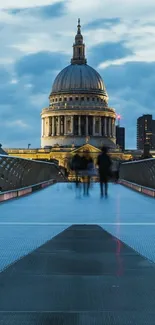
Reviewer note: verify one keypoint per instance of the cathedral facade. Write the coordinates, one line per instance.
(78, 111)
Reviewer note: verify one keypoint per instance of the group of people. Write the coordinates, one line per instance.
(84, 169)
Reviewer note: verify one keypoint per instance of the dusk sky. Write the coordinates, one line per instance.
(36, 38)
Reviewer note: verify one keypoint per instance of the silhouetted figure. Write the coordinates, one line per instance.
(87, 165)
(76, 166)
(104, 163)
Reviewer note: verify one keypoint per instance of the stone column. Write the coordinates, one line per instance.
(58, 133)
(53, 126)
(72, 124)
(42, 127)
(79, 126)
(86, 125)
(100, 127)
(113, 127)
(46, 127)
(109, 127)
(50, 126)
(65, 125)
(93, 125)
(105, 126)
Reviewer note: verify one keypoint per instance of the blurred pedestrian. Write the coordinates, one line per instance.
(75, 166)
(104, 163)
(87, 166)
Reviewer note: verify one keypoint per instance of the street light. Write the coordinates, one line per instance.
(118, 118)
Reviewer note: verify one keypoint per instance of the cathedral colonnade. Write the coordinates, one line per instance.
(78, 125)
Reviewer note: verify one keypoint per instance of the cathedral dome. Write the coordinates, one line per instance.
(79, 78)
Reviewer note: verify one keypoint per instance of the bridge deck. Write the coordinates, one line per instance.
(79, 273)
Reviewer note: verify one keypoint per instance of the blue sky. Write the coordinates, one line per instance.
(36, 39)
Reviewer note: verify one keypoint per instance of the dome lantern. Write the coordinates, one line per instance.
(78, 48)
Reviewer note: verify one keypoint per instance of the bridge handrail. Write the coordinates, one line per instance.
(137, 161)
(36, 161)
(18, 172)
(26, 187)
(141, 172)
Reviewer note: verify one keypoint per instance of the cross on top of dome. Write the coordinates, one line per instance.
(79, 27)
(78, 48)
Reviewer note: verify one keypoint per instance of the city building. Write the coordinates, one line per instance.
(120, 137)
(78, 118)
(78, 111)
(145, 132)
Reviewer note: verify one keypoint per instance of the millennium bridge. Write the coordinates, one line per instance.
(66, 259)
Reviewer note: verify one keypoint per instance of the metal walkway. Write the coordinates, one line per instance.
(71, 267)
(28, 222)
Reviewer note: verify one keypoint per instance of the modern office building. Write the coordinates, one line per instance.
(145, 132)
(120, 137)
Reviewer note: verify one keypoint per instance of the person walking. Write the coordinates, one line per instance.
(104, 163)
(75, 166)
(87, 165)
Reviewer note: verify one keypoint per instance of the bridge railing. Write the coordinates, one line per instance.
(141, 172)
(18, 173)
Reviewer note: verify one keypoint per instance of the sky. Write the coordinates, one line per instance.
(36, 38)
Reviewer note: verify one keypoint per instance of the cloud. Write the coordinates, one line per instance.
(131, 91)
(37, 71)
(46, 12)
(38, 63)
(25, 3)
(120, 41)
(17, 123)
(117, 8)
(109, 52)
(102, 23)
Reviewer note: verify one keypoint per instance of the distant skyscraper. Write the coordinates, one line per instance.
(120, 137)
(145, 132)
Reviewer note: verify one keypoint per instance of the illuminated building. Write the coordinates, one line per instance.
(78, 111)
(78, 117)
(145, 132)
